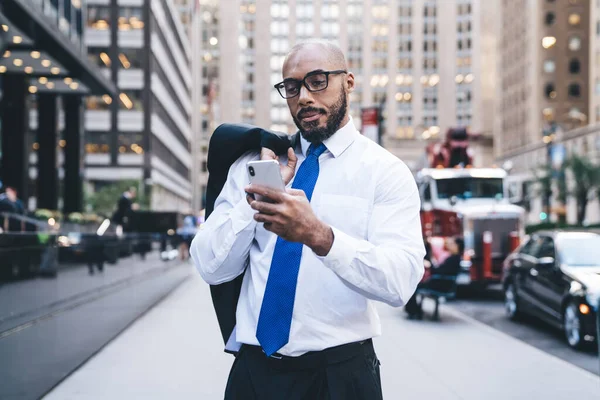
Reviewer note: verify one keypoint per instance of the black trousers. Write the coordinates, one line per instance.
(348, 372)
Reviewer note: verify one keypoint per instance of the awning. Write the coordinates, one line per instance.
(26, 18)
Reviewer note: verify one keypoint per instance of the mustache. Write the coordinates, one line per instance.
(310, 110)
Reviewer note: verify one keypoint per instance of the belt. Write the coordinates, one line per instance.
(314, 359)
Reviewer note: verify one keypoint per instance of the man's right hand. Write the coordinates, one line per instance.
(287, 171)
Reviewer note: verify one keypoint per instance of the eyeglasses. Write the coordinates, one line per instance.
(313, 81)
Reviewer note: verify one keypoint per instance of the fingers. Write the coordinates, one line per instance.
(275, 195)
(266, 219)
(267, 154)
(296, 192)
(292, 159)
(265, 208)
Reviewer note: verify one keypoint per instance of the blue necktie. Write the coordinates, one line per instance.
(275, 319)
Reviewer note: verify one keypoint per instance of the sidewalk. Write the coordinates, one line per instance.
(174, 352)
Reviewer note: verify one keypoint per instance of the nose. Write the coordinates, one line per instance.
(305, 96)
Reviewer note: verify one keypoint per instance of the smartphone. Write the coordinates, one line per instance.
(265, 173)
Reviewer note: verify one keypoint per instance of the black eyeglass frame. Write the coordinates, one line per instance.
(280, 86)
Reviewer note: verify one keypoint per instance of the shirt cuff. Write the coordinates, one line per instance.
(341, 254)
(242, 216)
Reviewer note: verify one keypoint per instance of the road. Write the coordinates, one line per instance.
(489, 309)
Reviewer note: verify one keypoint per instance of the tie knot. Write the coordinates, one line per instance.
(316, 150)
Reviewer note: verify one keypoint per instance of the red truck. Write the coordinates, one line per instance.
(458, 199)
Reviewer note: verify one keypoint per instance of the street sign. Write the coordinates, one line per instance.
(370, 123)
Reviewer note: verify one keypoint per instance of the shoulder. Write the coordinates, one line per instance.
(237, 170)
(381, 160)
(241, 162)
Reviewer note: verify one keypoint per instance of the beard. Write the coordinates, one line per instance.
(316, 134)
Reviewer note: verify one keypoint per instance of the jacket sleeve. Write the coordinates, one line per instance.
(220, 248)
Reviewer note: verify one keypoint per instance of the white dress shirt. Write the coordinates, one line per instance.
(370, 199)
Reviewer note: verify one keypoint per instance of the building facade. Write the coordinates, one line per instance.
(429, 64)
(594, 62)
(44, 77)
(546, 83)
(145, 134)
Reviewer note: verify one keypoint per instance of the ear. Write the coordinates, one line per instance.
(351, 84)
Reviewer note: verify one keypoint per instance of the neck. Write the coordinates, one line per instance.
(345, 120)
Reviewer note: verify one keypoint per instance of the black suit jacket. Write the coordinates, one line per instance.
(228, 143)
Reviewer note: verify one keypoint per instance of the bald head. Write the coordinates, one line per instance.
(319, 105)
(332, 52)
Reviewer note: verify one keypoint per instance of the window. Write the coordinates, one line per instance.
(467, 188)
(131, 100)
(574, 66)
(130, 142)
(99, 56)
(427, 193)
(549, 66)
(130, 58)
(130, 18)
(574, 90)
(550, 91)
(574, 19)
(574, 43)
(97, 142)
(527, 247)
(550, 18)
(98, 102)
(546, 248)
(98, 17)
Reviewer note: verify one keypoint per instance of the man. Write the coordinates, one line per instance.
(124, 207)
(449, 267)
(345, 232)
(10, 203)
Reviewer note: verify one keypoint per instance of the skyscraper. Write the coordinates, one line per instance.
(544, 73)
(144, 134)
(430, 64)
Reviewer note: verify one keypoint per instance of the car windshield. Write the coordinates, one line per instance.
(579, 250)
(469, 188)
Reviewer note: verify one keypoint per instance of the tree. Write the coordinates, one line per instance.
(585, 180)
(545, 177)
(104, 200)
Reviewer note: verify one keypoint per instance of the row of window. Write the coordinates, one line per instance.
(573, 90)
(574, 66)
(127, 58)
(129, 18)
(574, 19)
(100, 142)
(128, 100)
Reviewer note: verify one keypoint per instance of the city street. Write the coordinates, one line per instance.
(174, 351)
(489, 309)
(48, 327)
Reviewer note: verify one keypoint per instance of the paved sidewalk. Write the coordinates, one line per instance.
(174, 352)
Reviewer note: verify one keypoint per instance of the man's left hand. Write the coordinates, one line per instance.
(291, 217)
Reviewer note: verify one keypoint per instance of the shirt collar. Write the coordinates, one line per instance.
(337, 143)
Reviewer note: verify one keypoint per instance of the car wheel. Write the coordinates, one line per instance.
(511, 304)
(572, 326)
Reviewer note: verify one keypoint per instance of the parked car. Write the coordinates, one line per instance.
(555, 275)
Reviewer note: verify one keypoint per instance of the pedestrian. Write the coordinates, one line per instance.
(125, 206)
(345, 233)
(10, 203)
(449, 267)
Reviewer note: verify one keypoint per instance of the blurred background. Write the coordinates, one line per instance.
(107, 109)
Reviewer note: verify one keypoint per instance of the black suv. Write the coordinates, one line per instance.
(555, 276)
